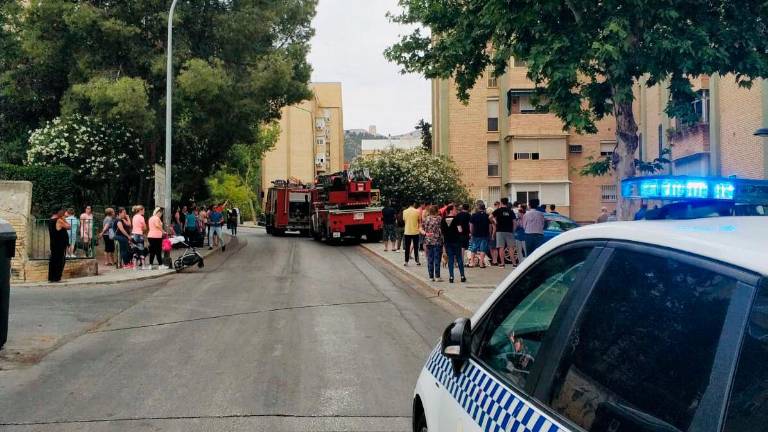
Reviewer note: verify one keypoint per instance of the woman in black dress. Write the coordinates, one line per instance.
(57, 230)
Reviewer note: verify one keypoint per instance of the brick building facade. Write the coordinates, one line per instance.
(503, 147)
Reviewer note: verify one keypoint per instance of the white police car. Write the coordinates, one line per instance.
(641, 326)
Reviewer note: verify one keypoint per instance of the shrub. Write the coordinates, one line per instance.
(51, 186)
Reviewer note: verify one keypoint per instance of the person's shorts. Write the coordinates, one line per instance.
(390, 234)
(478, 244)
(109, 244)
(492, 242)
(505, 239)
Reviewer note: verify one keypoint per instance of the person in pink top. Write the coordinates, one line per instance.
(138, 227)
(155, 236)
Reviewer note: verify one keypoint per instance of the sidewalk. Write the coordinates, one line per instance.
(110, 275)
(467, 296)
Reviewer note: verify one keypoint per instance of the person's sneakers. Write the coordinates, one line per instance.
(463, 279)
(418, 263)
(128, 266)
(210, 247)
(223, 248)
(431, 279)
(439, 279)
(450, 280)
(163, 267)
(405, 264)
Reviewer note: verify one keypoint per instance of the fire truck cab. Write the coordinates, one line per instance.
(287, 208)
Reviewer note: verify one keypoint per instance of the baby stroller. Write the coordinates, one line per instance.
(189, 258)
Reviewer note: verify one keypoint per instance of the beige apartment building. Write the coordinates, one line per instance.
(504, 147)
(311, 138)
(722, 142)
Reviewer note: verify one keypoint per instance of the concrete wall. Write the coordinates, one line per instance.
(15, 207)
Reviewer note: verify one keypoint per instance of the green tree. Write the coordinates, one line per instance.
(426, 134)
(236, 65)
(584, 57)
(225, 186)
(245, 162)
(405, 176)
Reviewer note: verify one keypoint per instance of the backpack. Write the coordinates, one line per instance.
(113, 229)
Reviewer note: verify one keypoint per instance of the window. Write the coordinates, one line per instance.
(493, 82)
(320, 141)
(526, 156)
(520, 63)
(527, 196)
(493, 116)
(608, 193)
(607, 148)
(508, 341)
(748, 406)
(575, 149)
(642, 352)
(701, 105)
(493, 159)
(494, 194)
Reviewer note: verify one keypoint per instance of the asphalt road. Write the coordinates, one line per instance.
(281, 334)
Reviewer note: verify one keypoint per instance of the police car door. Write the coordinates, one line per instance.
(491, 392)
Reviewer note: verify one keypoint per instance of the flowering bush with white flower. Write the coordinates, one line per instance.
(404, 176)
(95, 151)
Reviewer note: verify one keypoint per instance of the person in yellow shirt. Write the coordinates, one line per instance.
(412, 218)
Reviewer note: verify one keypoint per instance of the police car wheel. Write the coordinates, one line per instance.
(420, 425)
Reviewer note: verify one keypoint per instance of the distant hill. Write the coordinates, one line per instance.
(353, 140)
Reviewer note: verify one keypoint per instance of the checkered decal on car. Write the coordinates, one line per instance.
(493, 407)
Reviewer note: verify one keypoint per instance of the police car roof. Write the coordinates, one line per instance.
(738, 240)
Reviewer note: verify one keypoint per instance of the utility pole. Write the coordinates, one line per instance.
(168, 117)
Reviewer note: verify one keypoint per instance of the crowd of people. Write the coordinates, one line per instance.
(139, 239)
(453, 233)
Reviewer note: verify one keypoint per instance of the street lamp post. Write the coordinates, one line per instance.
(168, 116)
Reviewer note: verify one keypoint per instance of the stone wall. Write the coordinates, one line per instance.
(15, 207)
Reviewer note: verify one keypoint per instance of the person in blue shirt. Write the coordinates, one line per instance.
(190, 226)
(215, 220)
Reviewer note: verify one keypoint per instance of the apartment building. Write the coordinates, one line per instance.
(721, 142)
(311, 138)
(505, 147)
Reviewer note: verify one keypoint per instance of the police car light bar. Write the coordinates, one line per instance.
(679, 188)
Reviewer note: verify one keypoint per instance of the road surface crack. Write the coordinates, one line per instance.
(236, 314)
(203, 417)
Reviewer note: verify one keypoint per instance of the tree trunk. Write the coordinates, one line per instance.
(624, 156)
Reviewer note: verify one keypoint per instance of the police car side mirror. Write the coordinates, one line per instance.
(457, 343)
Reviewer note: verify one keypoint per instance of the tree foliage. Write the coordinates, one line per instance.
(245, 162)
(52, 186)
(236, 64)
(584, 57)
(225, 186)
(426, 134)
(106, 158)
(406, 176)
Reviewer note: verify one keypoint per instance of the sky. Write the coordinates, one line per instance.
(350, 38)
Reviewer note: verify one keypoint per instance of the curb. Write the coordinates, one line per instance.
(423, 284)
(75, 282)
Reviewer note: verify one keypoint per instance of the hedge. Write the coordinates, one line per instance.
(51, 186)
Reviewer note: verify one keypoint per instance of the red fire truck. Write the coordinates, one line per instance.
(342, 208)
(288, 207)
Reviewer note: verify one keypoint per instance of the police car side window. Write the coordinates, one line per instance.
(748, 404)
(515, 328)
(642, 352)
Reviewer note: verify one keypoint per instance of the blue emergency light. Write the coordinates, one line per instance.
(685, 188)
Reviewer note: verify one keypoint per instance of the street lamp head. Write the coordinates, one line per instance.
(762, 132)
